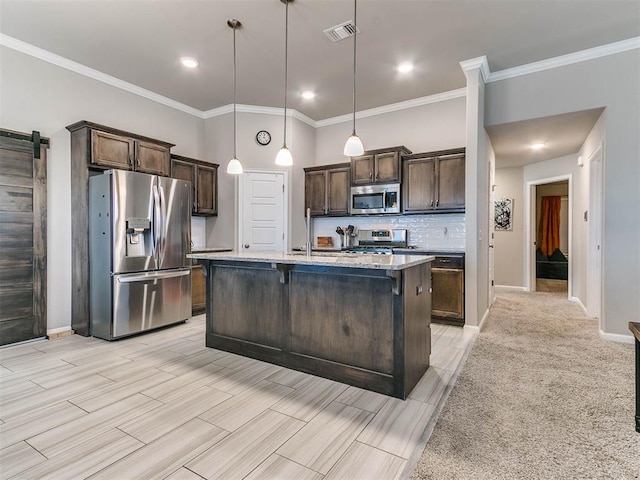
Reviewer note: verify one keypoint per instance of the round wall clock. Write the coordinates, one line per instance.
(263, 137)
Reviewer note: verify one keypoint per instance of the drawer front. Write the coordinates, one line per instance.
(448, 262)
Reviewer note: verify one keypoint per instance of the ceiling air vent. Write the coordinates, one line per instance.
(342, 31)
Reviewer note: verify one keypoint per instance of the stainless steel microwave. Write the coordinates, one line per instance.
(375, 199)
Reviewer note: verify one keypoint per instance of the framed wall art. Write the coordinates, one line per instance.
(503, 214)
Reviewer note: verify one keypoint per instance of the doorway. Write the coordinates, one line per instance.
(549, 234)
(262, 211)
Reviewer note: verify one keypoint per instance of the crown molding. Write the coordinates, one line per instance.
(568, 59)
(477, 63)
(394, 107)
(241, 108)
(67, 64)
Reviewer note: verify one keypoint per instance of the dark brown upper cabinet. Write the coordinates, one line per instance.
(377, 166)
(204, 180)
(434, 182)
(326, 189)
(126, 152)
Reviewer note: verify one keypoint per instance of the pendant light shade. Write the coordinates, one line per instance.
(284, 157)
(234, 167)
(354, 147)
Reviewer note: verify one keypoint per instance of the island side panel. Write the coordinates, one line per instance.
(417, 324)
(345, 319)
(247, 304)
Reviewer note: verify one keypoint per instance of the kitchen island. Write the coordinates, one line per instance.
(359, 319)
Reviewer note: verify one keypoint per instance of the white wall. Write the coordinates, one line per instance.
(436, 126)
(610, 82)
(508, 245)
(40, 96)
(218, 145)
(431, 127)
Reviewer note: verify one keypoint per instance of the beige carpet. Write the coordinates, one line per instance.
(541, 396)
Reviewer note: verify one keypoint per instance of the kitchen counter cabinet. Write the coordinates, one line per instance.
(434, 182)
(377, 166)
(326, 189)
(354, 321)
(204, 180)
(447, 277)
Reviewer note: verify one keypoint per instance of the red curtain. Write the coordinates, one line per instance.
(549, 230)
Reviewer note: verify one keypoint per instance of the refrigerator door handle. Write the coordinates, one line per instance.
(156, 223)
(142, 277)
(163, 225)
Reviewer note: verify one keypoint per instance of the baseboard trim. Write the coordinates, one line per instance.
(472, 328)
(512, 287)
(59, 332)
(615, 337)
(577, 300)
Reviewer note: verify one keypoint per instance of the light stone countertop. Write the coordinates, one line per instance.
(210, 249)
(324, 259)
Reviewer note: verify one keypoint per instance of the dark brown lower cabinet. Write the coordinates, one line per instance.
(23, 237)
(447, 277)
(198, 288)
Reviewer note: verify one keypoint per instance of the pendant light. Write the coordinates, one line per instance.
(284, 157)
(234, 166)
(354, 147)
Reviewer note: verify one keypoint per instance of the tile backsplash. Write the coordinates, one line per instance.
(438, 231)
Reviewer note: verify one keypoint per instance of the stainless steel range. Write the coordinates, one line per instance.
(381, 241)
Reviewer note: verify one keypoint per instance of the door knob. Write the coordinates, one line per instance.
(246, 245)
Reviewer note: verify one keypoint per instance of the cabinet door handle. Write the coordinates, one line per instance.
(137, 163)
(437, 202)
(431, 203)
(370, 175)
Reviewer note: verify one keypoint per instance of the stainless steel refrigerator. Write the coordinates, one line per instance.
(139, 236)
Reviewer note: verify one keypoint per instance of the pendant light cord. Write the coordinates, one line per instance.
(286, 61)
(234, 92)
(355, 33)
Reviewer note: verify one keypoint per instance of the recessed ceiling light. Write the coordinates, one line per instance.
(189, 62)
(537, 146)
(405, 67)
(308, 94)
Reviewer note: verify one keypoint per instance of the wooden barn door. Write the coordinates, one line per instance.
(23, 237)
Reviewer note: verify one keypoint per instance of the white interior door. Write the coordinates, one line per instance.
(594, 252)
(262, 211)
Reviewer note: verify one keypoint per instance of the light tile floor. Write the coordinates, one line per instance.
(162, 405)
